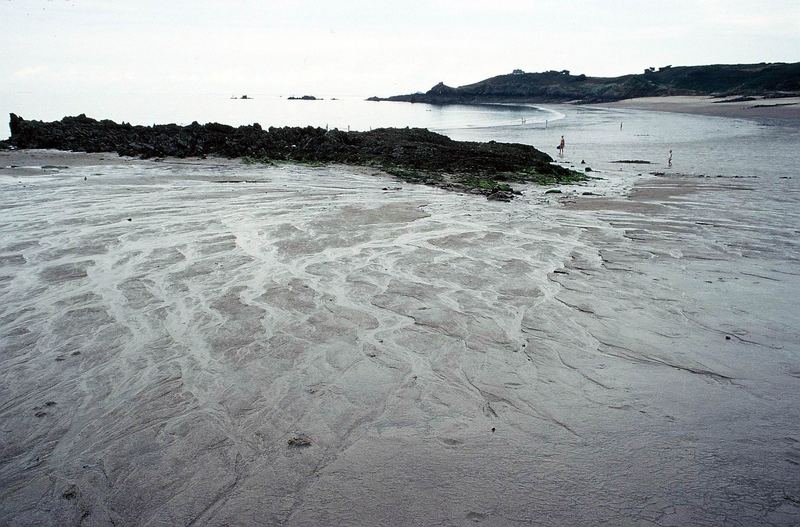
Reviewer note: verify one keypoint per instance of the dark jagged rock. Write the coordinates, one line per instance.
(411, 154)
(773, 105)
(736, 99)
(299, 441)
(303, 98)
(500, 195)
(767, 80)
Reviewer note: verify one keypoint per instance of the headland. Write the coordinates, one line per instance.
(764, 80)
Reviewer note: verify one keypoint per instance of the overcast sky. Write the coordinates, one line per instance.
(368, 47)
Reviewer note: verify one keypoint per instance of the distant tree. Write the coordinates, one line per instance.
(564, 72)
(517, 72)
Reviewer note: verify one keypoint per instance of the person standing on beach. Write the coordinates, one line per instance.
(561, 147)
(669, 159)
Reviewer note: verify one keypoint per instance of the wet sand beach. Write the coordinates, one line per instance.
(209, 343)
(752, 108)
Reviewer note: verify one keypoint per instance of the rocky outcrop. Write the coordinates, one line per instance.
(443, 90)
(412, 154)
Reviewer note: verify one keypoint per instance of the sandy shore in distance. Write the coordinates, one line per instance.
(783, 108)
(212, 343)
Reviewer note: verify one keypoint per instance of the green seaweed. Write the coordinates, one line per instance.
(256, 160)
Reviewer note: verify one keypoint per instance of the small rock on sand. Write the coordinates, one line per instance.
(298, 441)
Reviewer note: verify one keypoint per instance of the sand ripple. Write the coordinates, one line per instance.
(451, 360)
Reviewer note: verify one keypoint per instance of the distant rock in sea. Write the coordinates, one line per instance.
(304, 98)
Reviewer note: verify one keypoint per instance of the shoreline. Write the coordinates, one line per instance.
(782, 108)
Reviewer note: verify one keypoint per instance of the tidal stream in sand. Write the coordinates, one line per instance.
(168, 327)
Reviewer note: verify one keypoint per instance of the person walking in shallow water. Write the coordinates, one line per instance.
(669, 159)
(561, 147)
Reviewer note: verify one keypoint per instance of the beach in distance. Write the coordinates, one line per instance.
(784, 108)
(213, 342)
